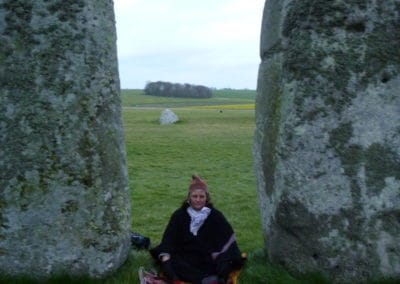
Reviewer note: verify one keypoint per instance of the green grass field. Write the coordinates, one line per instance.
(161, 159)
(212, 143)
(136, 98)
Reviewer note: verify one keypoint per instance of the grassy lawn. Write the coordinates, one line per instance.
(162, 158)
(213, 143)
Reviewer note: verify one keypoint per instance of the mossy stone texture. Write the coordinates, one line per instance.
(64, 200)
(327, 138)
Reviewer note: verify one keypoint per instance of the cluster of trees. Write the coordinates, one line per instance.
(166, 89)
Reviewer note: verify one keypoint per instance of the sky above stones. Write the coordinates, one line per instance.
(214, 43)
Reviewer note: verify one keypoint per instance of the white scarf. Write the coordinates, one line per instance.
(197, 218)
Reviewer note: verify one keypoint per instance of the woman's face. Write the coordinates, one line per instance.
(197, 199)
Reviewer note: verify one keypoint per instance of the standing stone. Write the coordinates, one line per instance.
(327, 139)
(64, 202)
(168, 117)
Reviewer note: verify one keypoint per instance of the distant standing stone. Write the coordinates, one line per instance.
(168, 117)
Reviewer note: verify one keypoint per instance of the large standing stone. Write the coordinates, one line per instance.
(64, 202)
(327, 139)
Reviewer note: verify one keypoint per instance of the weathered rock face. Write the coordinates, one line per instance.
(64, 202)
(327, 139)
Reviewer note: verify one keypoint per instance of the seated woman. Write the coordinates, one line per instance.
(198, 245)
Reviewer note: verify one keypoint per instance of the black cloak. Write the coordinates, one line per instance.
(191, 258)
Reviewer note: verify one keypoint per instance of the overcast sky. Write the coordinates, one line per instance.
(205, 42)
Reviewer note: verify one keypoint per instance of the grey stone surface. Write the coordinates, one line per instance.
(168, 117)
(327, 138)
(64, 200)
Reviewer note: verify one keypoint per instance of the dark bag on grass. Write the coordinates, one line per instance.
(139, 241)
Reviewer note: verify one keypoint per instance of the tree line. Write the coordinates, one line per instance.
(167, 89)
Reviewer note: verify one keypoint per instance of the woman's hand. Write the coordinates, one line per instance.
(164, 257)
(214, 255)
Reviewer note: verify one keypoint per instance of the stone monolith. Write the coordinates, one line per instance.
(64, 202)
(168, 117)
(327, 139)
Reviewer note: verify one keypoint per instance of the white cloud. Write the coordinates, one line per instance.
(205, 41)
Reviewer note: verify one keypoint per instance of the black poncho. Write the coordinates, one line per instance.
(191, 258)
